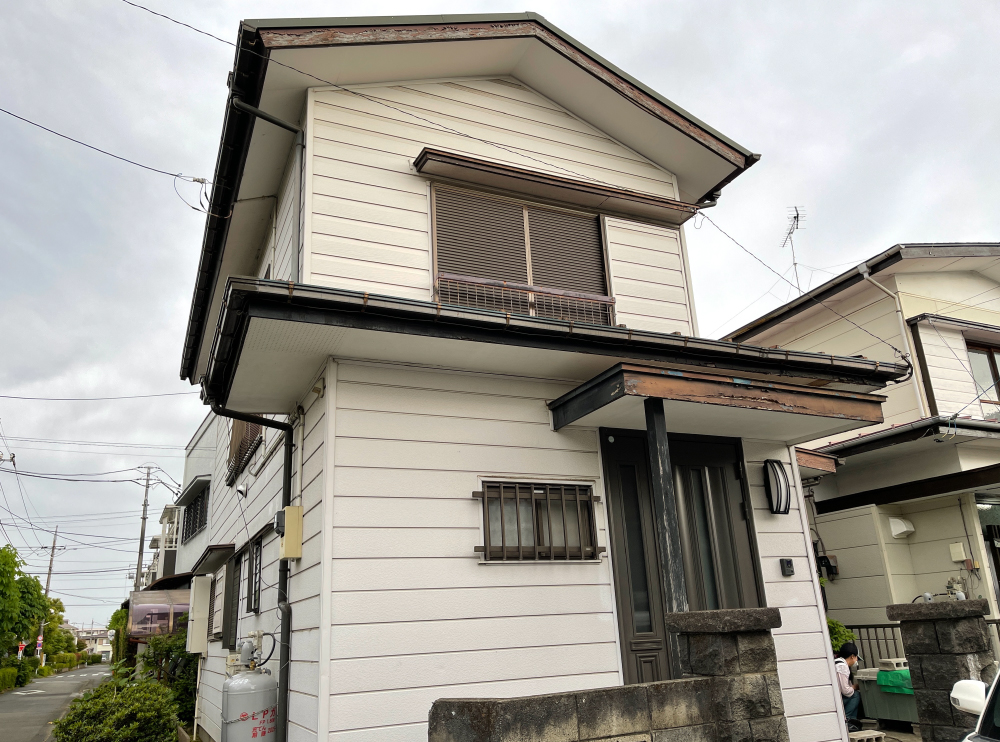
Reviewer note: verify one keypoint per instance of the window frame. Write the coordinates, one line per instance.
(195, 518)
(583, 500)
(990, 351)
(255, 552)
(526, 203)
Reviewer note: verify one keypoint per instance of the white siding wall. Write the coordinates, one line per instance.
(263, 480)
(368, 217)
(862, 590)
(947, 365)
(415, 614)
(279, 251)
(648, 277)
(805, 664)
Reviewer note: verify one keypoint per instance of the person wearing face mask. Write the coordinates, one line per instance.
(846, 659)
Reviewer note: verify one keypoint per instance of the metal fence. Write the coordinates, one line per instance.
(877, 642)
(513, 298)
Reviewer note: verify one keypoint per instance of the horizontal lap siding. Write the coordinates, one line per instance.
(416, 617)
(947, 364)
(369, 209)
(234, 519)
(801, 645)
(648, 277)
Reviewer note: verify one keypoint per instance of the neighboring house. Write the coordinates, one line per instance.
(96, 639)
(449, 256)
(934, 466)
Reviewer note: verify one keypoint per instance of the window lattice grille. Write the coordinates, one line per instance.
(532, 521)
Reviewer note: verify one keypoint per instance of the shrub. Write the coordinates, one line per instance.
(8, 676)
(141, 712)
(93, 659)
(839, 634)
(44, 672)
(33, 662)
(24, 674)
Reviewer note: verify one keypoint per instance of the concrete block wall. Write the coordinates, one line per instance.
(730, 693)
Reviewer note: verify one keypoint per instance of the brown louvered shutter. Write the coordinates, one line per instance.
(479, 237)
(566, 251)
(243, 441)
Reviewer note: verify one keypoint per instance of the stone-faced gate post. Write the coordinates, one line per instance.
(944, 642)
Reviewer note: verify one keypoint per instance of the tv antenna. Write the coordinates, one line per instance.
(796, 215)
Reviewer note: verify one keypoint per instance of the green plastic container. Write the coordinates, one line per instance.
(878, 704)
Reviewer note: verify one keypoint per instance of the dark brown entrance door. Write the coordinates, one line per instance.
(715, 534)
(634, 557)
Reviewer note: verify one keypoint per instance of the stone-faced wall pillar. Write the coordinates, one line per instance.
(944, 642)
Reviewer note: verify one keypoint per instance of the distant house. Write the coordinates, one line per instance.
(911, 506)
(448, 254)
(96, 639)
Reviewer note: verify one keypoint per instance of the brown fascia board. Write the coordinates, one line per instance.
(249, 298)
(257, 38)
(909, 251)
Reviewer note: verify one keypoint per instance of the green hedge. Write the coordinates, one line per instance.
(44, 672)
(143, 712)
(93, 659)
(8, 676)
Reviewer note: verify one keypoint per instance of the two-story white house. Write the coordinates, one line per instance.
(444, 306)
(914, 505)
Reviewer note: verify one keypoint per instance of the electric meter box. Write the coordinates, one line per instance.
(291, 533)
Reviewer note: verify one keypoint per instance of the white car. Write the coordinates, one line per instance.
(971, 697)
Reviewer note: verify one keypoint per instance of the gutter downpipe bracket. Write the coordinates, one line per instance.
(909, 359)
(284, 608)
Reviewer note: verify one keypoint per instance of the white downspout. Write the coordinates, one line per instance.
(907, 353)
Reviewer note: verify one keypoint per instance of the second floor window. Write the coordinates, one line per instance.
(195, 516)
(243, 441)
(508, 256)
(985, 362)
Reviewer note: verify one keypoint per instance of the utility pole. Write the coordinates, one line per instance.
(142, 532)
(48, 582)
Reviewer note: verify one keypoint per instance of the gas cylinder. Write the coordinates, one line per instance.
(249, 706)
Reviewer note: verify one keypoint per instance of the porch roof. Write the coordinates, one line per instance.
(273, 336)
(707, 403)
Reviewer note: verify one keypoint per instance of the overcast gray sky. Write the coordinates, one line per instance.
(880, 119)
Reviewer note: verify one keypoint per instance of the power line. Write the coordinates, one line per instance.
(372, 99)
(811, 298)
(271, 60)
(103, 151)
(119, 444)
(95, 399)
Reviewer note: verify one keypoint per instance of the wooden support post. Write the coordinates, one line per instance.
(668, 535)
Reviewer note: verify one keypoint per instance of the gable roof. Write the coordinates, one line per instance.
(277, 60)
(903, 258)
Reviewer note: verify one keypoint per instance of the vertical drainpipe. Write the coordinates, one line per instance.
(908, 354)
(284, 609)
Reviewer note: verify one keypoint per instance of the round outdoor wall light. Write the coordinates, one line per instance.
(777, 486)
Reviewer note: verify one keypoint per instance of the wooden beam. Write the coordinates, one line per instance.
(715, 389)
(668, 534)
(816, 460)
(964, 480)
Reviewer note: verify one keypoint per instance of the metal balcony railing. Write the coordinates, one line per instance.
(518, 298)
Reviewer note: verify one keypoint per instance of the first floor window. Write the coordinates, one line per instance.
(528, 520)
(253, 576)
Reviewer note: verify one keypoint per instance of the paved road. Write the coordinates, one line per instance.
(25, 712)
